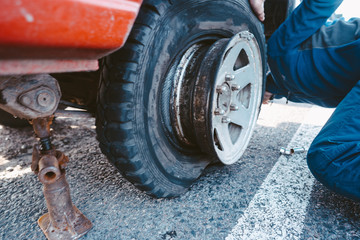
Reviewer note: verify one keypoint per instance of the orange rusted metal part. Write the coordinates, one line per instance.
(64, 30)
(64, 220)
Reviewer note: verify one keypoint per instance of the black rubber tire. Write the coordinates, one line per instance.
(131, 125)
(276, 11)
(9, 120)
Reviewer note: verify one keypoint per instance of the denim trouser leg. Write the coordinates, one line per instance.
(334, 156)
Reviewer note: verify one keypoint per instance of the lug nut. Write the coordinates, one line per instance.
(229, 77)
(219, 111)
(225, 120)
(234, 107)
(235, 87)
(220, 89)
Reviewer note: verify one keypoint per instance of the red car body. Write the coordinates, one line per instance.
(43, 36)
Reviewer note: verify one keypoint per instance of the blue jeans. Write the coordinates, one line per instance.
(334, 155)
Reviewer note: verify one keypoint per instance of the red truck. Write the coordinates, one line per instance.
(175, 85)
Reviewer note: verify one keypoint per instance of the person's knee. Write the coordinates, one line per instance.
(321, 155)
(320, 159)
(317, 163)
(337, 167)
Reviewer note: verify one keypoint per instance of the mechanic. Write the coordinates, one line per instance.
(316, 62)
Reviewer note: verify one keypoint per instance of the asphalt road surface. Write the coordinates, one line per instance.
(263, 196)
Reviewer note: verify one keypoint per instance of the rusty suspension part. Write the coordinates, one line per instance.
(64, 220)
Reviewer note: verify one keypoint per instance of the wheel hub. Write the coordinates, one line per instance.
(217, 95)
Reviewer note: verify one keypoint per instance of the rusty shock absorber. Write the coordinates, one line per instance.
(64, 220)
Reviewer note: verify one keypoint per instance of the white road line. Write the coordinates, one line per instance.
(278, 209)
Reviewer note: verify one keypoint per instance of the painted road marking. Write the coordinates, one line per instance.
(278, 209)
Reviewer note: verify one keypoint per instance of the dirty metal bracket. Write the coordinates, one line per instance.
(29, 96)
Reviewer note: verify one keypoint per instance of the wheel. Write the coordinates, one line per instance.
(157, 113)
(276, 11)
(9, 120)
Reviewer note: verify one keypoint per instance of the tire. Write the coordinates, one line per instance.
(276, 11)
(133, 124)
(9, 120)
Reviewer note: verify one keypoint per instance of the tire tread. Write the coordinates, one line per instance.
(114, 114)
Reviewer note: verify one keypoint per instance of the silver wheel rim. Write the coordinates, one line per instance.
(216, 95)
(237, 97)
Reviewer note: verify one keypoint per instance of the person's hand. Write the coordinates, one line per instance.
(267, 97)
(258, 8)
